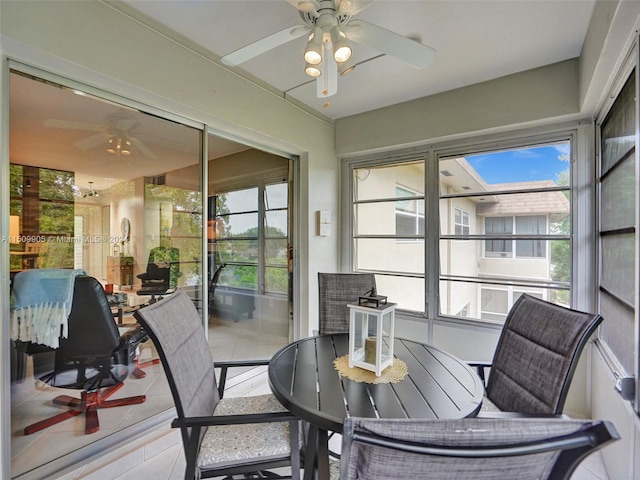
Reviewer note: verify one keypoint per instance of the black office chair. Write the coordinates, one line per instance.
(93, 358)
(221, 436)
(163, 271)
(536, 357)
(155, 281)
(469, 448)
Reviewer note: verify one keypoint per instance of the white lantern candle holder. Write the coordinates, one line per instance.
(371, 336)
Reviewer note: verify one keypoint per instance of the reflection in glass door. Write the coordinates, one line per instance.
(249, 304)
(89, 182)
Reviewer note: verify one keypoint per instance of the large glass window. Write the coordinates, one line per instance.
(252, 237)
(505, 228)
(111, 190)
(249, 249)
(520, 229)
(388, 229)
(618, 283)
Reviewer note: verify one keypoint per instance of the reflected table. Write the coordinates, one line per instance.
(302, 377)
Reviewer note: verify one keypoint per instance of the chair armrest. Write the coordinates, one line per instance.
(134, 336)
(233, 419)
(521, 415)
(241, 363)
(480, 367)
(225, 365)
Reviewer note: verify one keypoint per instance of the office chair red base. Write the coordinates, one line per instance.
(138, 373)
(87, 404)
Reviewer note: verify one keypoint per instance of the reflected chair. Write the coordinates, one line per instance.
(93, 358)
(470, 448)
(336, 290)
(221, 436)
(155, 281)
(214, 283)
(163, 271)
(536, 357)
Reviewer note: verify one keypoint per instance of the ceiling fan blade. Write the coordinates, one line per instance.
(92, 141)
(306, 5)
(390, 43)
(142, 147)
(351, 7)
(263, 45)
(55, 123)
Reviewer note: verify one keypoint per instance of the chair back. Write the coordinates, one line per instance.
(175, 326)
(336, 290)
(166, 257)
(92, 328)
(536, 356)
(470, 448)
(214, 281)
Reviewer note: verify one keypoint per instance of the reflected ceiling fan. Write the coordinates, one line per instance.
(331, 29)
(116, 133)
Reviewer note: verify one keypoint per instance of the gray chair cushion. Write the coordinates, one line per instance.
(336, 290)
(536, 356)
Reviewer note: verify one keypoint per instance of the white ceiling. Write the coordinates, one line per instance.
(476, 40)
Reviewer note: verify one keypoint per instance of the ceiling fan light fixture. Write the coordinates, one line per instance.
(312, 70)
(125, 150)
(346, 67)
(341, 48)
(313, 51)
(90, 192)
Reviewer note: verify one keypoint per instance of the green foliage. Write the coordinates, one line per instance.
(561, 249)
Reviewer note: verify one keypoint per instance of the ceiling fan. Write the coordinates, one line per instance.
(116, 133)
(330, 30)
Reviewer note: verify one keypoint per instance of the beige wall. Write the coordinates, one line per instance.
(540, 94)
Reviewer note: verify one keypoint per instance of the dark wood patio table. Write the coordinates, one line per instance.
(302, 377)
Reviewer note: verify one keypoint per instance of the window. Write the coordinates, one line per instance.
(504, 226)
(495, 304)
(519, 227)
(409, 213)
(524, 225)
(254, 250)
(498, 226)
(388, 225)
(618, 282)
(461, 222)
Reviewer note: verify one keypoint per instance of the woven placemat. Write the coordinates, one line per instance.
(392, 374)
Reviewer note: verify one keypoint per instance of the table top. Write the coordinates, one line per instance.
(439, 385)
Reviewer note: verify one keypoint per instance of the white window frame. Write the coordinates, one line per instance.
(582, 192)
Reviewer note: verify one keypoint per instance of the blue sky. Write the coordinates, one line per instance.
(524, 165)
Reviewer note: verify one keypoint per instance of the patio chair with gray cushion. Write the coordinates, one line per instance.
(470, 448)
(221, 436)
(336, 290)
(536, 357)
